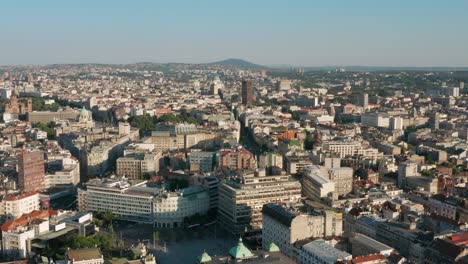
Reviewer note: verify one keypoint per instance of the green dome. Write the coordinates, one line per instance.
(204, 258)
(84, 111)
(272, 247)
(240, 251)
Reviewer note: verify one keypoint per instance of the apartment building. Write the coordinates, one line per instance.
(343, 179)
(201, 161)
(16, 205)
(136, 166)
(284, 227)
(241, 200)
(316, 183)
(67, 173)
(322, 252)
(236, 159)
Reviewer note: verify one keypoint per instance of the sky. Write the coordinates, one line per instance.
(288, 32)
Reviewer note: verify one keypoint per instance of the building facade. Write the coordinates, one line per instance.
(241, 202)
(31, 171)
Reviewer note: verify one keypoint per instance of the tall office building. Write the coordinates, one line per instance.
(435, 120)
(31, 171)
(407, 169)
(363, 100)
(396, 122)
(462, 85)
(240, 203)
(247, 92)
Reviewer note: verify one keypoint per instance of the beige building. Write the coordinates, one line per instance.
(137, 166)
(165, 140)
(49, 116)
(315, 183)
(16, 205)
(134, 201)
(270, 160)
(69, 174)
(284, 227)
(85, 256)
(343, 179)
(241, 201)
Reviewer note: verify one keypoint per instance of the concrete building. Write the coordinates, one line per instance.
(241, 202)
(363, 100)
(236, 159)
(201, 161)
(342, 148)
(343, 179)
(388, 148)
(407, 169)
(283, 85)
(135, 201)
(283, 227)
(66, 173)
(322, 252)
(362, 245)
(270, 161)
(84, 256)
(331, 163)
(247, 93)
(316, 182)
(396, 122)
(375, 120)
(138, 166)
(31, 171)
(16, 205)
(49, 116)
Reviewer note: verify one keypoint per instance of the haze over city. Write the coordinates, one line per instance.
(298, 33)
(224, 132)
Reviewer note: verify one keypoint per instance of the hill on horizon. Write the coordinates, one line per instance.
(239, 63)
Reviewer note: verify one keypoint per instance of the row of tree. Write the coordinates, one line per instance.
(147, 123)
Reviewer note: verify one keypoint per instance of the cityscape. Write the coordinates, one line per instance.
(267, 157)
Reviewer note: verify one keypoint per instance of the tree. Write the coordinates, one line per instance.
(309, 143)
(296, 115)
(145, 123)
(49, 128)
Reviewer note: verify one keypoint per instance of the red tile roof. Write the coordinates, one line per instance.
(27, 218)
(13, 197)
(460, 239)
(369, 258)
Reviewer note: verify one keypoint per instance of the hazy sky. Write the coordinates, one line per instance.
(309, 32)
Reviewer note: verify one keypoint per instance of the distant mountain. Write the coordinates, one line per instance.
(358, 68)
(238, 63)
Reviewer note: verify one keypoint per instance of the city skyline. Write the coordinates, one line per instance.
(298, 33)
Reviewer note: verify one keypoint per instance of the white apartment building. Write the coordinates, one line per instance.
(407, 169)
(284, 227)
(135, 201)
(17, 234)
(68, 174)
(321, 252)
(241, 203)
(315, 182)
(171, 208)
(342, 148)
(116, 196)
(343, 179)
(375, 119)
(16, 205)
